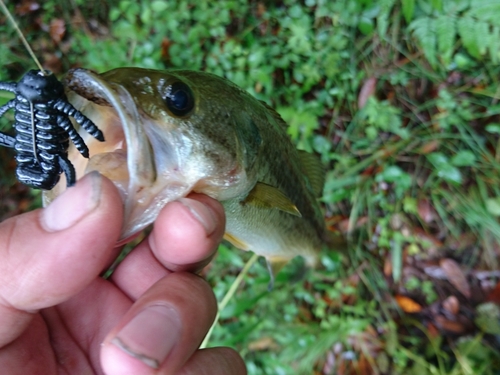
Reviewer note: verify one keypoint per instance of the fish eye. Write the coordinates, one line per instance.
(179, 99)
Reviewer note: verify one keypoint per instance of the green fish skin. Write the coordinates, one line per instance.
(173, 132)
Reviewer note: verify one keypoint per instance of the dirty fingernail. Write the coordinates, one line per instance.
(150, 335)
(74, 204)
(202, 213)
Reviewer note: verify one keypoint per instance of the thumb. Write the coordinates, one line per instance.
(49, 255)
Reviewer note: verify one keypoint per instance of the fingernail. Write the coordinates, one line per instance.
(202, 213)
(150, 335)
(74, 204)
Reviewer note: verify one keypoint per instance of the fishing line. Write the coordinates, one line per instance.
(21, 36)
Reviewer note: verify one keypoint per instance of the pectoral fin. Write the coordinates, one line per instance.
(267, 196)
(236, 241)
(274, 265)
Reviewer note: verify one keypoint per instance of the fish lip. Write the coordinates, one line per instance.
(140, 161)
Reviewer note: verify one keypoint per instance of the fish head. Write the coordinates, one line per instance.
(167, 133)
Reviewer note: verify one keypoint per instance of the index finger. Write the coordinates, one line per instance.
(185, 237)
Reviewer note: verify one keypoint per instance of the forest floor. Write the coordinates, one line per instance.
(400, 101)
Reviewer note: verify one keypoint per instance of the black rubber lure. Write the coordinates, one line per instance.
(43, 130)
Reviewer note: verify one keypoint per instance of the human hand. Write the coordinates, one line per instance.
(58, 316)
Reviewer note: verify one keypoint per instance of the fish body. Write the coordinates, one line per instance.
(169, 133)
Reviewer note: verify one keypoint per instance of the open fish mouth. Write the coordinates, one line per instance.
(126, 157)
(154, 153)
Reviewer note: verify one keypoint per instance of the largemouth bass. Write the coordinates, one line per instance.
(170, 133)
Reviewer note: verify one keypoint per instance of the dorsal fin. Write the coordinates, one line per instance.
(275, 115)
(314, 170)
(310, 164)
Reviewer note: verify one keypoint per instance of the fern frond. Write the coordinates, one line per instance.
(478, 29)
(494, 44)
(424, 29)
(437, 4)
(474, 23)
(446, 31)
(455, 6)
(383, 17)
(408, 7)
(487, 11)
(474, 35)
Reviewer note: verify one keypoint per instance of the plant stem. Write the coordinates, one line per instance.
(230, 293)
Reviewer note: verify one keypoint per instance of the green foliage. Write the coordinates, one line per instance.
(426, 287)
(439, 26)
(473, 355)
(382, 117)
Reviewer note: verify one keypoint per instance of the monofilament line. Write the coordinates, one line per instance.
(23, 39)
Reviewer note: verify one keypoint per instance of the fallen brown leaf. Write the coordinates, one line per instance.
(452, 305)
(455, 276)
(26, 7)
(264, 343)
(361, 366)
(432, 330)
(53, 63)
(57, 30)
(449, 325)
(166, 43)
(367, 90)
(494, 295)
(428, 147)
(426, 211)
(345, 226)
(261, 9)
(387, 267)
(407, 304)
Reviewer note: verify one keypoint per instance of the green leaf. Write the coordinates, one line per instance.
(444, 168)
(437, 4)
(366, 25)
(493, 128)
(464, 158)
(397, 256)
(410, 205)
(488, 318)
(394, 174)
(424, 29)
(456, 6)
(487, 11)
(494, 44)
(383, 17)
(371, 133)
(114, 14)
(408, 9)
(493, 206)
(446, 32)
(466, 27)
(479, 30)
(463, 61)
(159, 6)
(450, 174)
